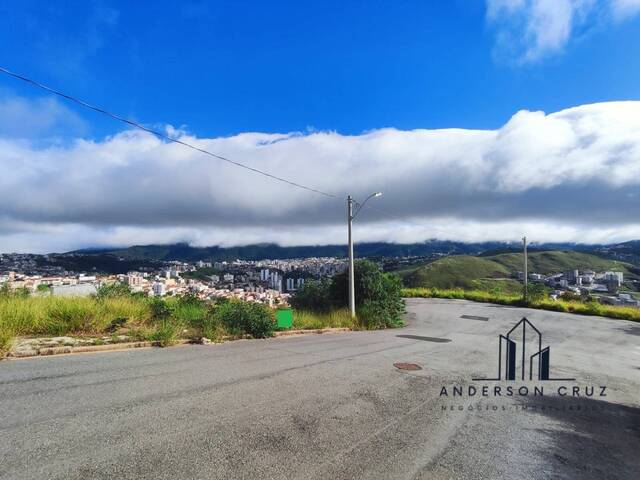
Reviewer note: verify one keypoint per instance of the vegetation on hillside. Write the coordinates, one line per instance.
(465, 271)
(185, 252)
(202, 274)
(378, 296)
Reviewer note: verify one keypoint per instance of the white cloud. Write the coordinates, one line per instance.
(529, 30)
(571, 175)
(37, 118)
(625, 8)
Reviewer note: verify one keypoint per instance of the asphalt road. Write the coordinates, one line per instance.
(332, 406)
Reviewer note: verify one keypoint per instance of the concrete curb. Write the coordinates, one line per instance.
(286, 333)
(65, 350)
(112, 347)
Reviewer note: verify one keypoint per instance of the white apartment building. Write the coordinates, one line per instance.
(159, 289)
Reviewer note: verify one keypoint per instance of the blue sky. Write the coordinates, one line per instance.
(348, 96)
(228, 67)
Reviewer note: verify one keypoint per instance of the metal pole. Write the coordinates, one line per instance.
(526, 274)
(352, 296)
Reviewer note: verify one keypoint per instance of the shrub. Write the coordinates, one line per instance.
(313, 296)
(244, 317)
(6, 338)
(159, 309)
(570, 297)
(372, 316)
(166, 333)
(189, 310)
(378, 295)
(212, 327)
(536, 292)
(116, 289)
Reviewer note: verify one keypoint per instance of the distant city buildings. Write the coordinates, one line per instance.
(603, 286)
(266, 281)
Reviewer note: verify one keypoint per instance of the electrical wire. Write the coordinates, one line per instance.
(162, 135)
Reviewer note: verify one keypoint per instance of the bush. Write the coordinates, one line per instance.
(313, 296)
(111, 290)
(159, 309)
(570, 297)
(244, 317)
(189, 310)
(378, 295)
(166, 334)
(372, 316)
(212, 327)
(536, 292)
(6, 338)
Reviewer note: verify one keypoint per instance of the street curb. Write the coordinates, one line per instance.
(286, 333)
(66, 350)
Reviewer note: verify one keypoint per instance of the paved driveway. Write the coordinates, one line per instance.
(332, 406)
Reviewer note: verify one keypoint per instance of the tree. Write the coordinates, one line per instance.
(378, 295)
(313, 295)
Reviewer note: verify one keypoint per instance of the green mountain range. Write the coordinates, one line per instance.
(185, 252)
(467, 271)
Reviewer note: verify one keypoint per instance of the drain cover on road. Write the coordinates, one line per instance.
(425, 339)
(475, 317)
(407, 366)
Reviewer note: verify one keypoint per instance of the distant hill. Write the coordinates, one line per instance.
(185, 252)
(627, 251)
(467, 271)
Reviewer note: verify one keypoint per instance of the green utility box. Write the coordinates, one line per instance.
(284, 318)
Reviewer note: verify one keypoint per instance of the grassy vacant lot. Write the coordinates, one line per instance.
(162, 320)
(464, 271)
(582, 308)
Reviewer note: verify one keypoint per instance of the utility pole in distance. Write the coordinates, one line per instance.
(351, 215)
(526, 274)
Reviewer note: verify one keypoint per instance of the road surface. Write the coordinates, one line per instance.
(332, 406)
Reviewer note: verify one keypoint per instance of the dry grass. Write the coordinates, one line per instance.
(304, 320)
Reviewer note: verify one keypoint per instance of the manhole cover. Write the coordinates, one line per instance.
(407, 366)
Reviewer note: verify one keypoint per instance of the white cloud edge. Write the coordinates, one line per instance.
(456, 184)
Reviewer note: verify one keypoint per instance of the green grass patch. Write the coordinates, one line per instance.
(305, 319)
(6, 339)
(581, 308)
(166, 333)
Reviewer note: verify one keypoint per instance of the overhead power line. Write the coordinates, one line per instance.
(162, 135)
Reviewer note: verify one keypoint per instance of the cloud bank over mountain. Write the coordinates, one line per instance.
(572, 175)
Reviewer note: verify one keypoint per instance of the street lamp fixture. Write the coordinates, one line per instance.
(353, 208)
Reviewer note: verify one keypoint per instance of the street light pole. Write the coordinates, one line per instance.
(526, 274)
(352, 296)
(351, 215)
